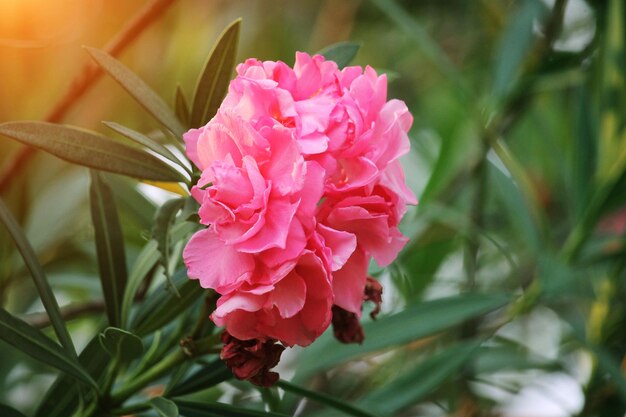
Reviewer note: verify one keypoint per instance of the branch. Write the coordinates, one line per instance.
(72, 311)
(85, 80)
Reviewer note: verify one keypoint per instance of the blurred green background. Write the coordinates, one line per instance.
(518, 158)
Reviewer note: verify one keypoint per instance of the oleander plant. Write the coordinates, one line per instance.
(346, 208)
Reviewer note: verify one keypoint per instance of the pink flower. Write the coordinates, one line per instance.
(300, 187)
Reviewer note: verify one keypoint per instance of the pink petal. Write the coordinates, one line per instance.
(349, 282)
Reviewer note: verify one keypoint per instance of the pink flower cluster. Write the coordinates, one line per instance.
(300, 187)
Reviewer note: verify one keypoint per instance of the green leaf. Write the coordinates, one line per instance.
(181, 107)
(417, 321)
(139, 90)
(165, 217)
(109, 246)
(411, 386)
(162, 306)
(213, 82)
(164, 407)
(206, 377)
(35, 344)
(41, 283)
(6, 411)
(212, 409)
(144, 140)
(90, 149)
(515, 44)
(121, 344)
(341, 52)
(62, 398)
(326, 399)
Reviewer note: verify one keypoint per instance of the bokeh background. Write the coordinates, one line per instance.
(508, 148)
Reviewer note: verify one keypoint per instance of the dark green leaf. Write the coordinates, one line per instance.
(121, 345)
(162, 306)
(35, 344)
(6, 411)
(144, 140)
(326, 399)
(181, 106)
(139, 90)
(514, 46)
(90, 149)
(165, 216)
(206, 377)
(109, 246)
(41, 283)
(410, 387)
(341, 52)
(62, 398)
(207, 409)
(417, 321)
(164, 407)
(213, 82)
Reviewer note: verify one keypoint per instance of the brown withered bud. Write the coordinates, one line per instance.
(251, 360)
(346, 326)
(373, 293)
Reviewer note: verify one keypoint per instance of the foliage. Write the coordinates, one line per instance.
(514, 272)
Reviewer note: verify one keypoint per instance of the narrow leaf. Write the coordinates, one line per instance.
(181, 107)
(341, 52)
(418, 321)
(164, 407)
(514, 46)
(109, 246)
(35, 344)
(162, 306)
(90, 149)
(41, 283)
(62, 398)
(206, 377)
(144, 140)
(213, 82)
(165, 216)
(139, 90)
(121, 344)
(325, 399)
(410, 387)
(213, 409)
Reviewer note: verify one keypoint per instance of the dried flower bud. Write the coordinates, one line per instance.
(373, 293)
(346, 326)
(251, 360)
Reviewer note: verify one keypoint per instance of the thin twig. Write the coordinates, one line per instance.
(85, 80)
(70, 312)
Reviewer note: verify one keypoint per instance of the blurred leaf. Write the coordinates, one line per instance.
(90, 149)
(411, 386)
(206, 377)
(515, 45)
(181, 107)
(612, 367)
(207, 409)
(341, 52)
(424, 255)
(35, 344)
(110, 247)
(6, 411)
(41, 283)
(121, 345)
(144, 140)
(213, 82)
(428, 47)
(165, 217)
(326, 399)
(164, 407)
(585, 151)
(162, 306)
(62, 398)
(139, 90)
(415, 322)
(132, 203)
